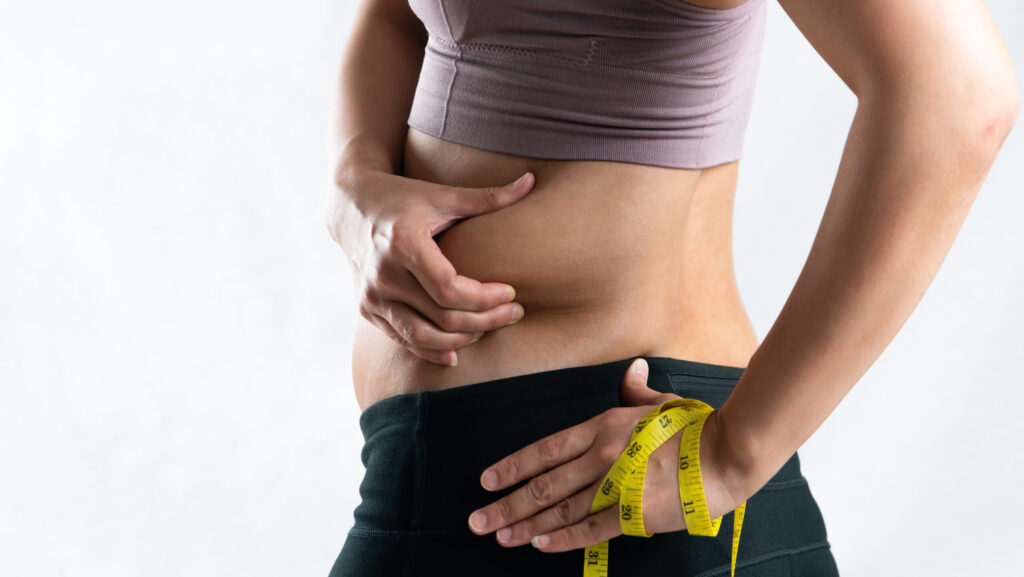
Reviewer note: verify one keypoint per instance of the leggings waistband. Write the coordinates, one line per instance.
(424, 451)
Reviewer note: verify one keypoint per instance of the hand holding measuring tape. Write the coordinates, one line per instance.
(568, 469)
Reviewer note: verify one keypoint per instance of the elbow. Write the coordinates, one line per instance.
(1003, 107)
(979, 132)
(969, 115)
(977, 126)
(997, 106)
(1012, 111)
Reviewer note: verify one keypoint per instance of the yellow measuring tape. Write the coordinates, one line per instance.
(624, 483)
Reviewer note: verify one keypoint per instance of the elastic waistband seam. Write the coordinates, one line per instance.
(471, 392)
(786, 484)
(789, 551)
(358, 531)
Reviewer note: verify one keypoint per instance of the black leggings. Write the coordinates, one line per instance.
(424, 453)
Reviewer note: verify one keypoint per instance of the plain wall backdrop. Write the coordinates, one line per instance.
(176, 323)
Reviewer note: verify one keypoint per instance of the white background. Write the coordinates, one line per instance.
(176, 324)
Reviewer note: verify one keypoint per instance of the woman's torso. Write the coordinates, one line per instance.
(610, 260)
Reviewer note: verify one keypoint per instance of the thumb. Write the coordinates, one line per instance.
(634, 390)
(466, 201)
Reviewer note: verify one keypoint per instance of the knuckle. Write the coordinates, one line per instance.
(446, 291)
(608, 453)
(382, 281)
(447, 319)
(503, 511)
(375, 285)
(401, 242)
(512, 467)
(607, 418)
(403, 329)
(416, 335)
(490, 195)
(549, 448)
(386, 278)
(563, 511)
(540, 488)
(619, 415)
(588, 529)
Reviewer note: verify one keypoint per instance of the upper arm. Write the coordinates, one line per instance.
(924, 50)
(397, 13)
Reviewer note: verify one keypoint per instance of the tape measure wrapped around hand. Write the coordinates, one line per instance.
(624, 484)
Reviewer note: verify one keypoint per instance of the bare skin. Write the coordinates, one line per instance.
(937, 98)
(612, 260)
(574, 248)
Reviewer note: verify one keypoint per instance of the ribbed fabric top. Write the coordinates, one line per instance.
(657, 82)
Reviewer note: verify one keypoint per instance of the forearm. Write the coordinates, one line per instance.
(907, 178)
(377, 80)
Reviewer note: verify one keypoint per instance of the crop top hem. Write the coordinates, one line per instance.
(638, 150)
(680, 99)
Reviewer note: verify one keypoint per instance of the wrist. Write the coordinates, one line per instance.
(351, 202)
(746, 463)
(361, 153)
(351, 168)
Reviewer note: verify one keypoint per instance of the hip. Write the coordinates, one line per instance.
(424, 452)
(714, 334)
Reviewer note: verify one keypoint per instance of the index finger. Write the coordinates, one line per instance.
(448, 288)
(538, 457)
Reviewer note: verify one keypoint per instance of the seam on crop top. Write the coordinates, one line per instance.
(455, 71)
(587, 62)
(747, 25)
(499, 49)
(591, 50)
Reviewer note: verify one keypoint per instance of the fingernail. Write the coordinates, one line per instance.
(478, 520)
(640, 367)
(517, 315)
(511, 293)
(504, 534)
(455, 359)
(490, 479)
(475, 339)
(521, 179)
(540, 541)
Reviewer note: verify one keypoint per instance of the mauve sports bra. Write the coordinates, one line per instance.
(657, 82)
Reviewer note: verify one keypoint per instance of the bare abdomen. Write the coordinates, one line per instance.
(598, 254)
